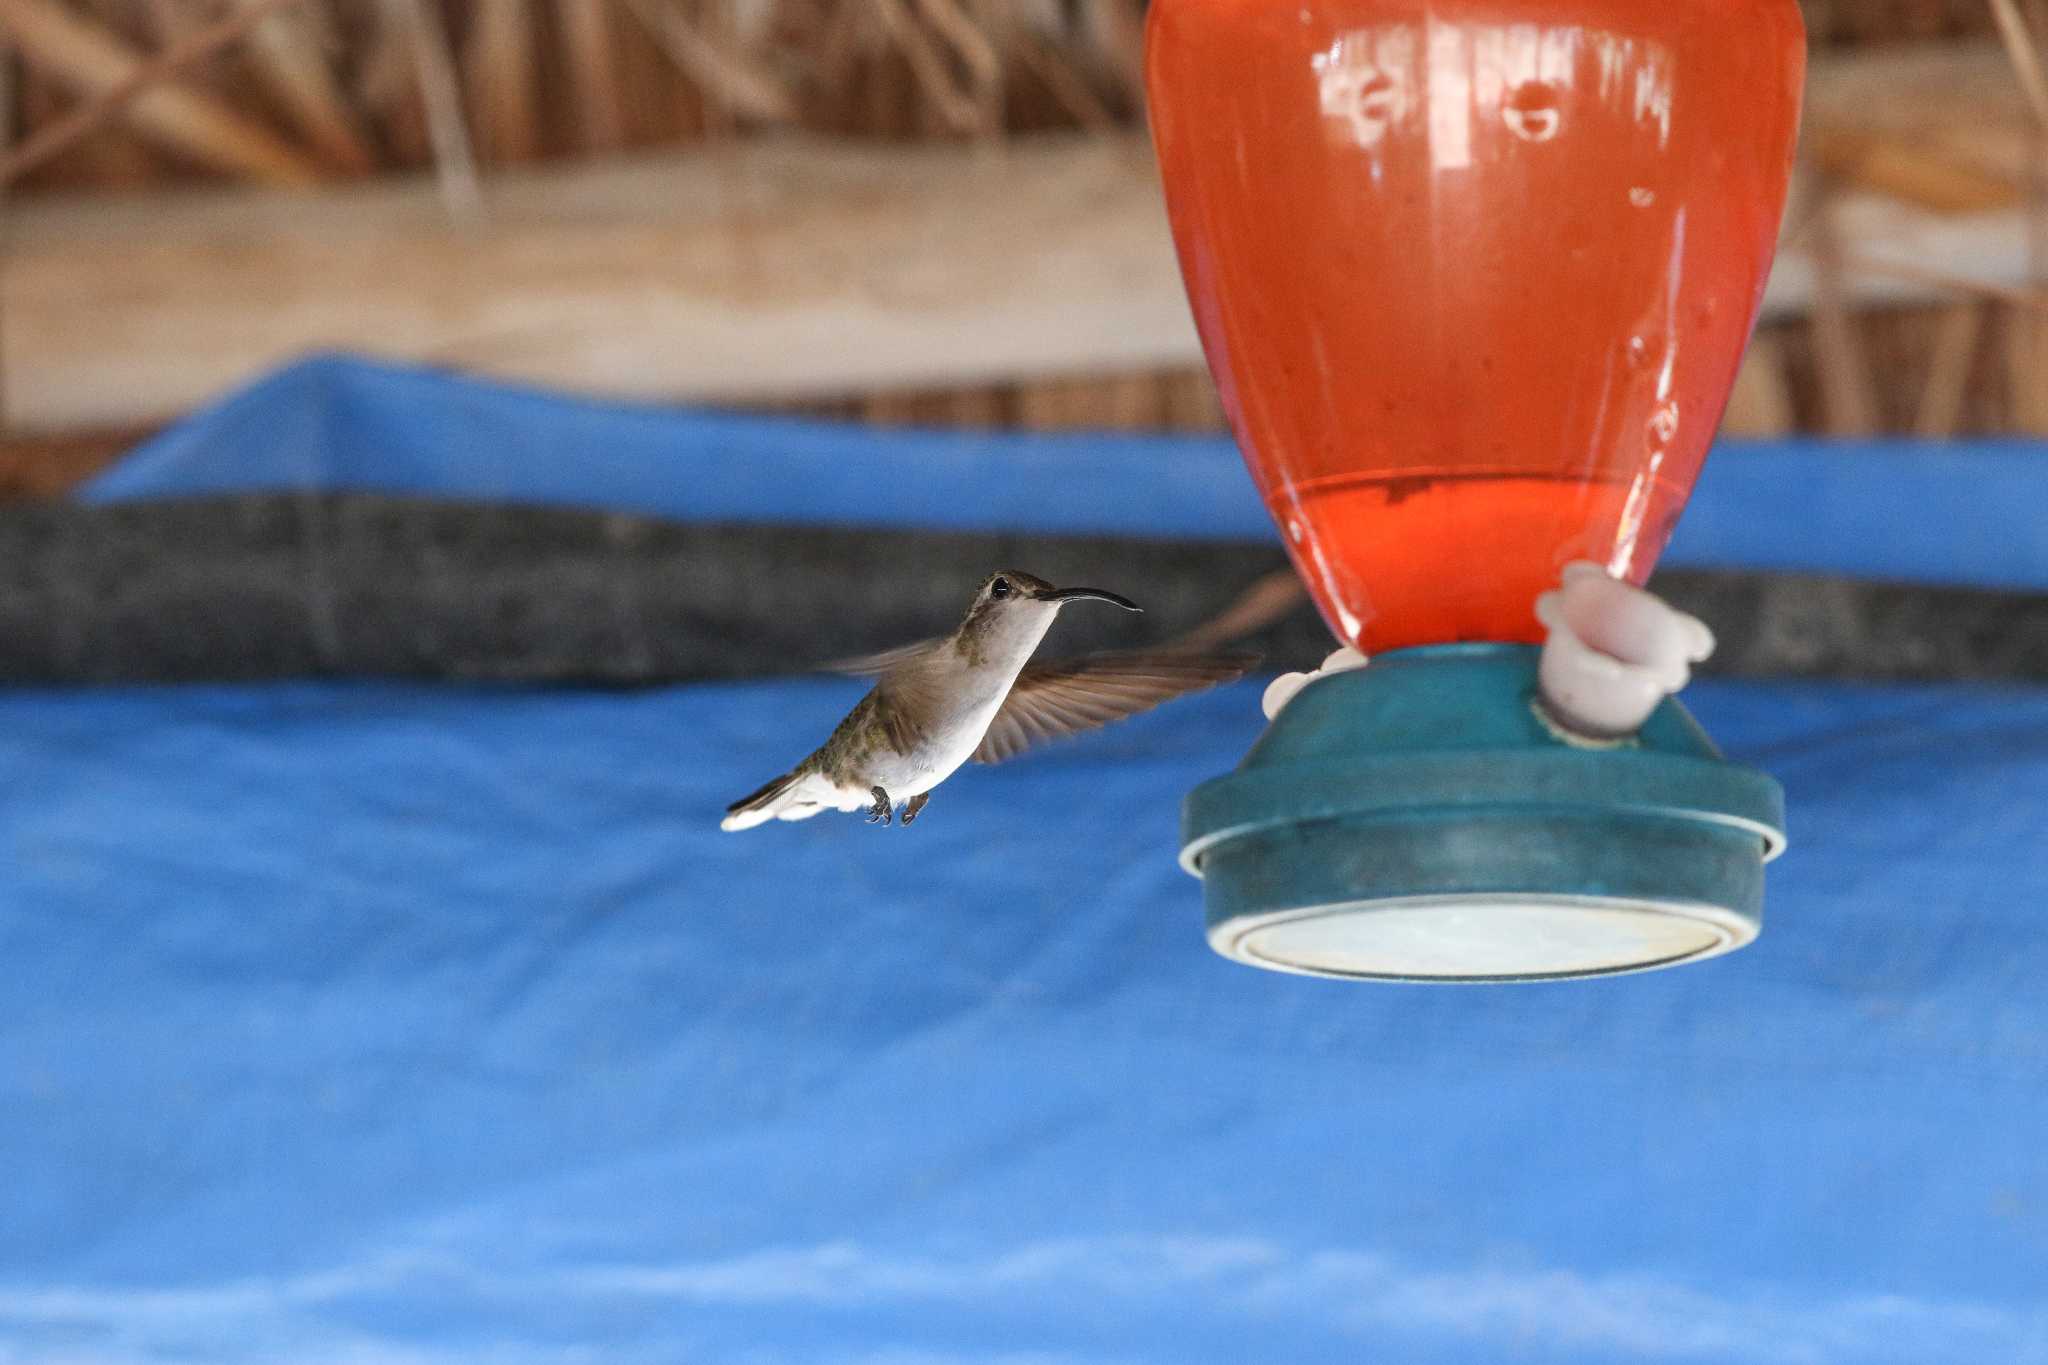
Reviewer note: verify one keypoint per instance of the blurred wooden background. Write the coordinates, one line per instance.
(927, 211)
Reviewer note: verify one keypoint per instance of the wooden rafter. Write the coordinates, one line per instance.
(146, 92)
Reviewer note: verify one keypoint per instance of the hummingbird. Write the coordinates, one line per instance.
(973, 694)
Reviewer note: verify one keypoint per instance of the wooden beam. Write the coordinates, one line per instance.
(498, 67)
(866, 269)
(730, 77)
(285, 52)
(1906, 169)
(441, 95)
(98, 62)
(586, 28)
(1847, 387)
(1948, 371)
(1760, 404)
(1952, 112)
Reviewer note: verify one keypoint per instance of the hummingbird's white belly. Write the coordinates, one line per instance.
(950, 743)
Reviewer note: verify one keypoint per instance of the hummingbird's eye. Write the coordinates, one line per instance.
(999, 588)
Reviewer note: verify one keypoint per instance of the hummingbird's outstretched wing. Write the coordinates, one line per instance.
(906, 688)
(1067, 696)
(888, 660)
(905, 696)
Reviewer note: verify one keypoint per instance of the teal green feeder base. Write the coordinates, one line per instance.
(1420, 820)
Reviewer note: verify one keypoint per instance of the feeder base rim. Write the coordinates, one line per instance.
(1722, 931)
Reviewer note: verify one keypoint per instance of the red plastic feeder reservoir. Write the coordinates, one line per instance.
(1473, 278)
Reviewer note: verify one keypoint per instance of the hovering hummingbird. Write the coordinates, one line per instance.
(940, 702)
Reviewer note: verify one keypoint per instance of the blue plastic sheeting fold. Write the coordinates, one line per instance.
(377, 1023)
(1975, 514)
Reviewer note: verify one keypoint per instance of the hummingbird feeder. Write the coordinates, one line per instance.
(1473, 278)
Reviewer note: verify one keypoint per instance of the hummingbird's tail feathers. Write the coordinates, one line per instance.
(763, 805)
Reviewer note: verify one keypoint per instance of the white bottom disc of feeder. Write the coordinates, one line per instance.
(1482, 938)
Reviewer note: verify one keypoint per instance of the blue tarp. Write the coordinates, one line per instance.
(1964, 514)
(390, 1023)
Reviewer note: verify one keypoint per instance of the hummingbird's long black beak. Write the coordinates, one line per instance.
(1078, 594)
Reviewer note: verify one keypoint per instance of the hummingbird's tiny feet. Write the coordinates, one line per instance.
(913, 806)
(878, 814)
